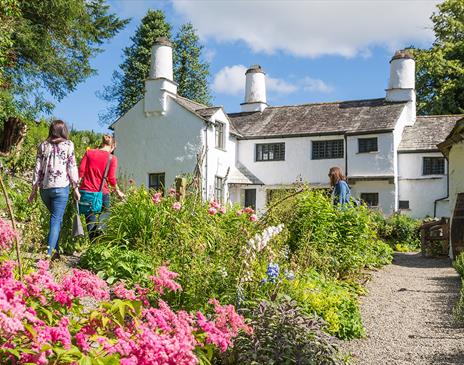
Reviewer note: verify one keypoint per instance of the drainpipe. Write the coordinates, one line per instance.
(447, 191)
(346, 155)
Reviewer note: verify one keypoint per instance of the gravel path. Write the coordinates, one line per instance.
(408, 315)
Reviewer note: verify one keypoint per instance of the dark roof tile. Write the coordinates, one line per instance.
(427, 132)
(359, 116)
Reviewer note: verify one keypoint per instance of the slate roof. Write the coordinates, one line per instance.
(350, 117)
(456, 135)
(242, 176)
(427, 132)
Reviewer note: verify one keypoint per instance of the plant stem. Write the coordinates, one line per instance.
(13, 223)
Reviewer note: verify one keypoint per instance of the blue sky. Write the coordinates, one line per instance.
(311, 50)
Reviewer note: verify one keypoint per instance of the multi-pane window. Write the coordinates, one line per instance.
(367, 145)
(327, 149)
(219, 189)
(270, 152)
(220, 135)
(404, 204)
(156, 181)
(371, 199)
(250, 198)
(433, 166)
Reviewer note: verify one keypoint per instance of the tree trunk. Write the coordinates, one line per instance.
(14, 131)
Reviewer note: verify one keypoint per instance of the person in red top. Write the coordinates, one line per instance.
(91, 172)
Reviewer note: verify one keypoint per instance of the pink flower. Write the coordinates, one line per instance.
(248, 210)
(122, 293)
(223, 210)
(214, 204)
(253, 217)
(239, 212)
(177, 206)
(212, 211)
(7, 235)
(165, 280)
(157, 198)
(172, 192)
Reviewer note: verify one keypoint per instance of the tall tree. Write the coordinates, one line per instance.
(190, 71)
(52, 45)
(440, 69)
(128, 82)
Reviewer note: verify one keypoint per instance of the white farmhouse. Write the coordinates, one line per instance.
(389, 155)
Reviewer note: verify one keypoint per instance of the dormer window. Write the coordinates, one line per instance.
(220, 127)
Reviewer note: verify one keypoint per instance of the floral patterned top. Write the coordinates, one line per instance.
(55, 166)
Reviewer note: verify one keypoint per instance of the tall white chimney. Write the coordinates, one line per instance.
(159, 83)
(255, 90)
(402, 82)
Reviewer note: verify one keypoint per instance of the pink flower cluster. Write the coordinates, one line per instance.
(42, 319)
(249, 212)
(215, 207)
(156, 199)
(7, 235)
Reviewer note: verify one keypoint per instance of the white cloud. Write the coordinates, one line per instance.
(313, 28)
(209, 54)
(231, 80)
(315, 85)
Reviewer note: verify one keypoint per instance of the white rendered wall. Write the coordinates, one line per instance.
(158, 143)
(297, 166)
(421, 190)
(385, 190)
(255, 87)
(402, 74)
(218, 161)
(378, 163)
(456, 173)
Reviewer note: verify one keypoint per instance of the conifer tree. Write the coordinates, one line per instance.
(127, 86)
(190, 71)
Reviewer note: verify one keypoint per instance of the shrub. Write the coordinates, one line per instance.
(45, 322)
(459, 308)
(399, 230)
(335, 301)
(334, 240)
(283, 334)
(208, 247)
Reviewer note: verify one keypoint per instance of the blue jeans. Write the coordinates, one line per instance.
(55, 199)
(96, 225)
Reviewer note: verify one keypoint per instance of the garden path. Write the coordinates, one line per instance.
(408, 315)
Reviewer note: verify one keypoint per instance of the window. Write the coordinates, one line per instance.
(327, 149)
(220, 135)
(404, 204)
(433, 166)
(219, 189)
(367, 145)
(371, 199)
(156, 181)
(270, 152)
(250, 198)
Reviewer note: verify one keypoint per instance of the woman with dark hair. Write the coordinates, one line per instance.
(341, 189)
(55, 171)
(92, 170)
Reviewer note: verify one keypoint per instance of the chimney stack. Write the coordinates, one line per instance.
(402, 82)
(159, 83)
(255, 90)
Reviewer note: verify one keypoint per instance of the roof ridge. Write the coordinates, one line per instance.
(192, 101)
(328, 102)
(441, 115)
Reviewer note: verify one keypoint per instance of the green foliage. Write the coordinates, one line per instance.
(335, 301)
(459, 308)
(283, 334)
(51, 47)
(9, 12)
(440, 69)
(206, 249)
(190, 72)
(127, 84)
(399, 230)
(338, 241)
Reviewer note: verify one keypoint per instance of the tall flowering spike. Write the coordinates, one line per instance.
(7, 235)
(165, 280)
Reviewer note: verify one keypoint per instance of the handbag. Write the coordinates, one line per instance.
(77, 229)
(91, 201)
